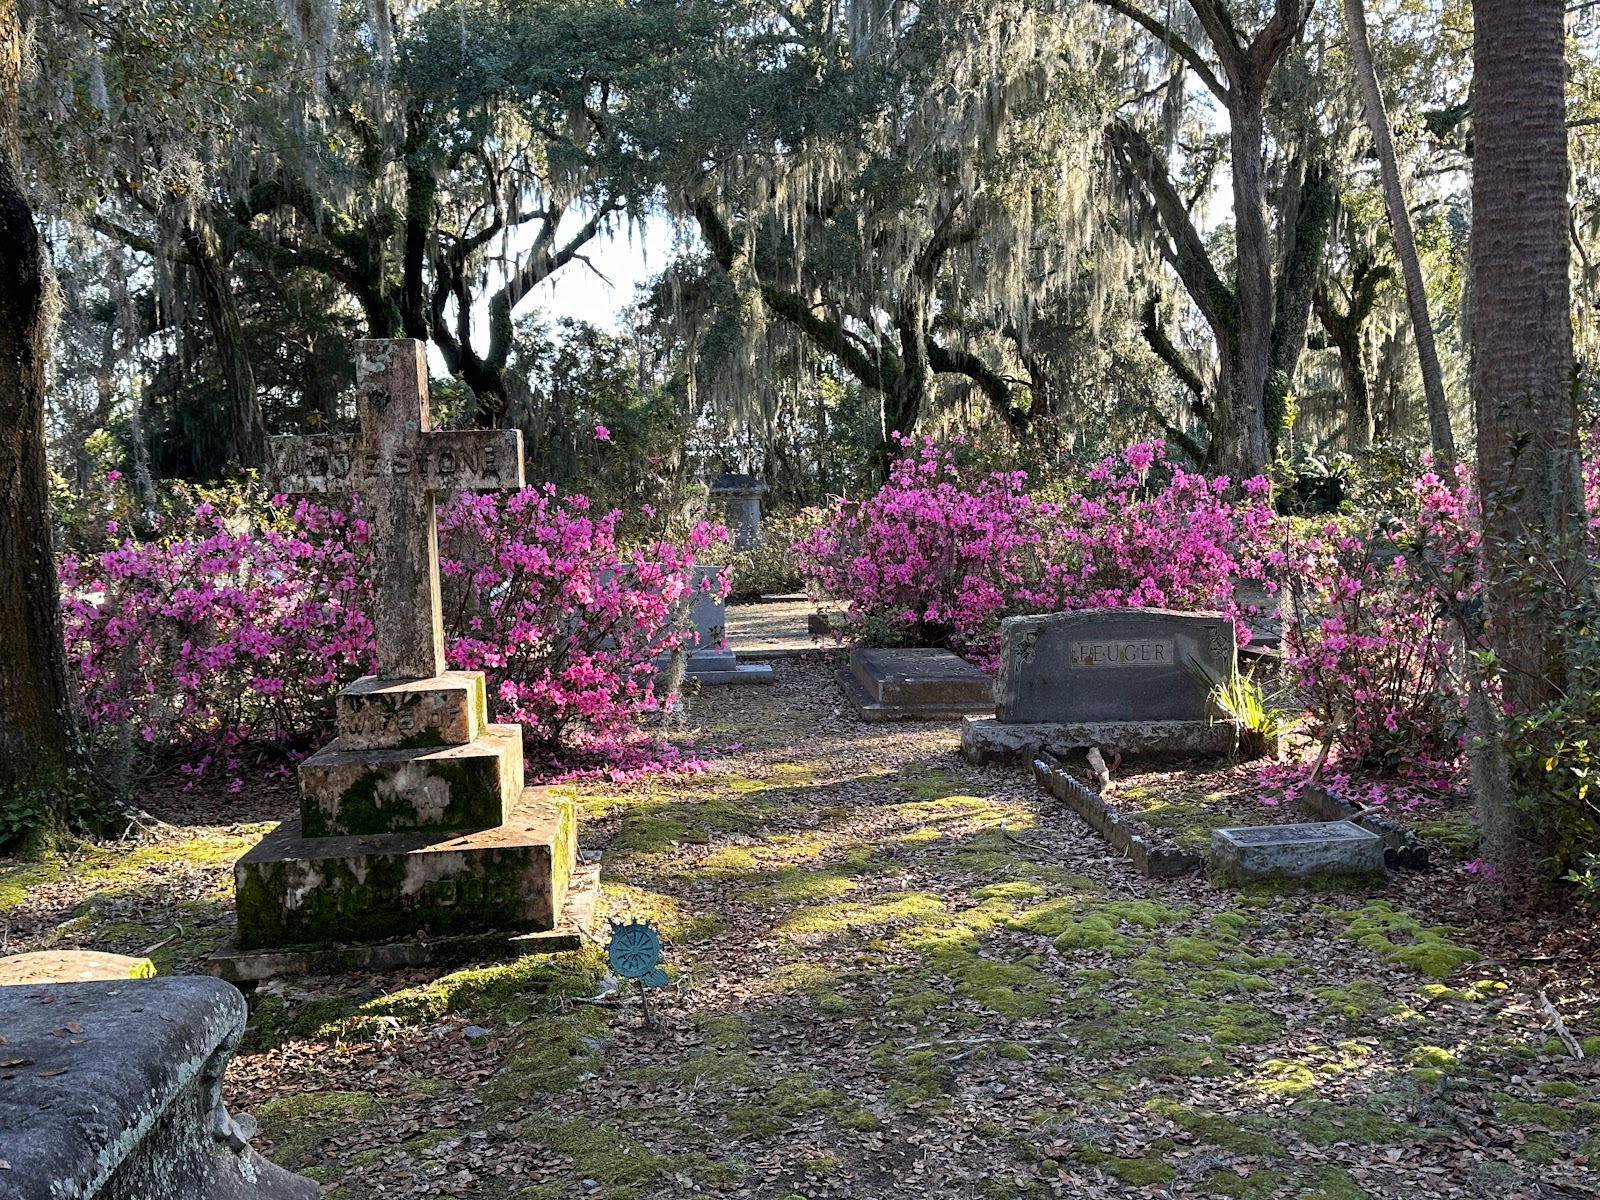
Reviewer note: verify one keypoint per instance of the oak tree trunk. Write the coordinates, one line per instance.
(1244, 449)
(247, 427)
(1405, 245)
(39, 740)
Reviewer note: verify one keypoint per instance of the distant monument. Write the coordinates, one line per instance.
(738, 498)
(414, 823)
(711, 660)
(1129, 680)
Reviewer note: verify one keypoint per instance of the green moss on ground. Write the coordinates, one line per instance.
(297, 1124)
(1177, 818)
(1324, 1123)
(1401, 938)
(1149, 1170)
(1213, 1128)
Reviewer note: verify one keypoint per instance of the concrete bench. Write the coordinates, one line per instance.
(113, 1089)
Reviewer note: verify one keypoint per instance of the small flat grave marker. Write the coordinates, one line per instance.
(914, 685)
(1294, 851)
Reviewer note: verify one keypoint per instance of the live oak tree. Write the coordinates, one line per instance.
(907, 189)
(1258, 322)
(41, 756)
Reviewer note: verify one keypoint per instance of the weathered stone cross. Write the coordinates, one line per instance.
(399, 467)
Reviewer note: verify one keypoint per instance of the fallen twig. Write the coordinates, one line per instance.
(1567, 1040)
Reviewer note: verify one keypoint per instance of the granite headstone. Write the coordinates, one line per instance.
(1131, 680)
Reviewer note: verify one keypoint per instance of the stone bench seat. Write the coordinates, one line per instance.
(113, 1089)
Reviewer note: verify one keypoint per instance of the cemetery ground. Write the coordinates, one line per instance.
(893, 975)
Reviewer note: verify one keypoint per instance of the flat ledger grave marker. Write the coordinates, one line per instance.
(1129, 680)
(414, 822)
(914, 685)
(1263, 851)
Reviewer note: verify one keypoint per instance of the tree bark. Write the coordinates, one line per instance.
(1405, 245)
(247, 427)
(1304, 255)
(1522, 381)
(1345, 330)
(40, 746)
(1244, 451)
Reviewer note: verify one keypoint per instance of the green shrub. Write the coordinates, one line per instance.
(772, 568)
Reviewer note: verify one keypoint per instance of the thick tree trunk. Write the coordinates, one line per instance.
(1244, 452)
(39, 741)
(1522, 375)
(1344, 329)
(247, 427)
(1405, 245)
(1307, 249)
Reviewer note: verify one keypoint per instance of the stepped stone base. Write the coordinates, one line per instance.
(345, 791)
(249, 967)
(915, 685)
(991, 741)
(295, 890)
(732, 671)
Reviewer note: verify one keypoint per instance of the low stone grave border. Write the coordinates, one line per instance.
(1150, 861)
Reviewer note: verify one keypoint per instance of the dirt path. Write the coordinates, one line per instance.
(773, 626)
(895, 976)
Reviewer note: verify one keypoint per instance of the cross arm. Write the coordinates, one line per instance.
(482, 460)
(318, 464)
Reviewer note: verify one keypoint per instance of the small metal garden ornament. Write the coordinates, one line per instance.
(635, 953)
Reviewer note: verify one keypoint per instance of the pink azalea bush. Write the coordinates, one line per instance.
(567, 624)
(217, 636)
(940, 554)
(1366, 633)
(238, 629)
(935, 556)
(1148, 533)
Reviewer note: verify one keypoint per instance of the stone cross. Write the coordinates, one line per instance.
(399, 466)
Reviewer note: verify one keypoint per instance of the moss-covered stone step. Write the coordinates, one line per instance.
(447, 710)
(298, 891)
(421, 790)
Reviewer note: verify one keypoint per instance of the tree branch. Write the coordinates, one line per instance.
(1169, 38)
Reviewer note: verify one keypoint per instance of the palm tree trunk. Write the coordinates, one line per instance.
(1522, 381)
(1405, 245)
